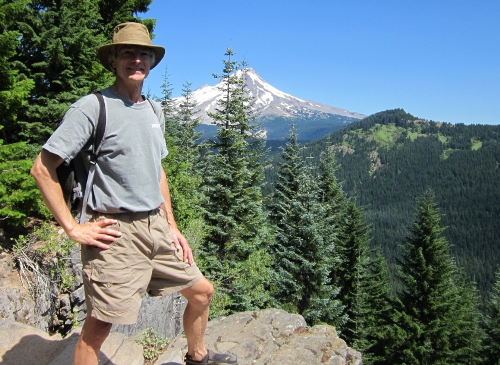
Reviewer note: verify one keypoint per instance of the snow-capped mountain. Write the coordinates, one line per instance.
(269, 101)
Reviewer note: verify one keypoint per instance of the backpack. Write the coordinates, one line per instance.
(72, 177)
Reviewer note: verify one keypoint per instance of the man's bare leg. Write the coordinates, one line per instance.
(94, 333)
(196, 317)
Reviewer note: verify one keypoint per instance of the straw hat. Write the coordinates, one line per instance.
(130, 33)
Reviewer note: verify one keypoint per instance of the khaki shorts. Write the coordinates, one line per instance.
(144, 259)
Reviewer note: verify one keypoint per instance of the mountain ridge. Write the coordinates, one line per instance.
(390, 158)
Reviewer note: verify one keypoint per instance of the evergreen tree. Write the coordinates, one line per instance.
(181, 163)
(466, 335)
(427, 308)
(19, 195)
(378, 317)
(336, 203)
(303, 249)
(363, 278)
(352, 276)
(491, 325)
(15, 87)
(234, 253)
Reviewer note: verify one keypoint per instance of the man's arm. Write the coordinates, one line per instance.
(91, 233)
(179, 240)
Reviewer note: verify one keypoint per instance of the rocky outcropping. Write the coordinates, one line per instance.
(270, 337)
(55, 311)
(267, 337)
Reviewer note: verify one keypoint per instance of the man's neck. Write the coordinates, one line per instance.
(131, 92)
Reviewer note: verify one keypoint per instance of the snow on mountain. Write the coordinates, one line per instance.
(269, 101)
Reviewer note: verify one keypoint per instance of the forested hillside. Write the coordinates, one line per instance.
(390, 158)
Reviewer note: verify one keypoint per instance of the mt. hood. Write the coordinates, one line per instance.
(276, 109)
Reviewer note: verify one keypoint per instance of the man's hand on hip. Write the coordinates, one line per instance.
(95, 233)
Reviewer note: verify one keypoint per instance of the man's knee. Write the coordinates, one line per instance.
(200, 294)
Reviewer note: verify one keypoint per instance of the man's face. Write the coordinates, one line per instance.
(132, 63)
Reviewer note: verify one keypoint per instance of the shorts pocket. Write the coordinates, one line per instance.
(111, 288)
(110, 276)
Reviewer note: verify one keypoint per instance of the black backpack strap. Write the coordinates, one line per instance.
(100, 127)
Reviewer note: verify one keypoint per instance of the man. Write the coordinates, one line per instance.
(130, 244)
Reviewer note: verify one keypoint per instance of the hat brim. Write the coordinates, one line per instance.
(103, 53)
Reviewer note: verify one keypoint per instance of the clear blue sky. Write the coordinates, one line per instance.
(439, 60)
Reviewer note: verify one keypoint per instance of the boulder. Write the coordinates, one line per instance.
(269, 337)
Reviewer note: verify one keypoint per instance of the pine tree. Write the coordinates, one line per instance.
(378, 317)
(234, 254)
(427, 308)
(16, 87)
(466, 334)
(491, 324)
(303, 249)
(18, 193)
(181, 163)
(352, 275)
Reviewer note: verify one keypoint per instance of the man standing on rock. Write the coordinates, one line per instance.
(130, 243)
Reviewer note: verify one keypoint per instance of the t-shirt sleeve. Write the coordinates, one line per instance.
(71, 135)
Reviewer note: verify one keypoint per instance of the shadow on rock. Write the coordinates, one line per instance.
(36, 349)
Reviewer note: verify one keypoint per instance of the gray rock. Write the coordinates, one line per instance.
(116, 350)
(76, 268)
(23, 344)
(64, 306)
(164, 315)
(78, 296)
(269, 337)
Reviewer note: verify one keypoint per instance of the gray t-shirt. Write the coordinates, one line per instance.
(127, 176)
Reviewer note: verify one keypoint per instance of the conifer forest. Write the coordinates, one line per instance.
(388, 229)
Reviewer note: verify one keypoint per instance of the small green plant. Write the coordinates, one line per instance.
(44, 267)
(54, 243)
(153, 345)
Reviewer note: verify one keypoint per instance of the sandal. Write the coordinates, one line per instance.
(212, 358)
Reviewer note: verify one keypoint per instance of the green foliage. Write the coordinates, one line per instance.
(364, 282)
(386, 178)
(431, 311)
(19, 195)
(232, 169)
(491, 324)
(44, 253)
(304, 245)
(377, 312)
(152, 344)
(15, 88)
(181, 164)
